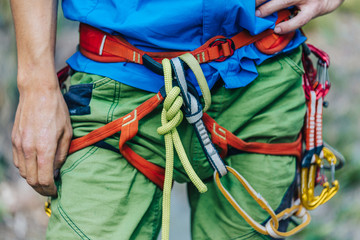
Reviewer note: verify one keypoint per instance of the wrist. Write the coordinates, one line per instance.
(37, 79)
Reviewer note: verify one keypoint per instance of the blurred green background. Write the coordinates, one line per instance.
(21, 210)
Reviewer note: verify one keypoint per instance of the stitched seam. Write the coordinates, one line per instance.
(91, 151)
(109, 117)
(71, 224)
(293, 65)
(101, 82)
(154, 232)
(117, 100)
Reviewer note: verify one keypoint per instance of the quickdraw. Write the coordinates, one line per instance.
(316, 86)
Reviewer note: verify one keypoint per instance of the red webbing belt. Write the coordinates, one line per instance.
(128, 125)
(103, 47)
(224, 138)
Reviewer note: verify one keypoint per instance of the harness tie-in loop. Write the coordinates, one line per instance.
(192, 107)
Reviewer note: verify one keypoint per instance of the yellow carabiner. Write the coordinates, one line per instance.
(331, 158)
(255, 195)
(272, 226)
(304, 187)
(315, 201)
(308, 176)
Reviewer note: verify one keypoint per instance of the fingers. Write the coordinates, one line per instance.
(62, 149)
(35, 163)
(259, 2)
(274, 6)
(18, 156)
(309, 9)
(303, 17)
(34, 158)
(14, 139)
(28, 156)
(45, 167)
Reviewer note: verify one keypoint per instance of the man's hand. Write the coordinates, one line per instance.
(309, 9)
(41, 135)
(42, 130)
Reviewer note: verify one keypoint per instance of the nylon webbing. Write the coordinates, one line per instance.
(193, 109)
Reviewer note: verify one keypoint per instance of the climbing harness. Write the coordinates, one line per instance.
(181, 99)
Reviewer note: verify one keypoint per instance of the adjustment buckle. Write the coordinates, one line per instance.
(226, 53)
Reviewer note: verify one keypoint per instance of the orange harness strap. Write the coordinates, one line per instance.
(128, 125)
(223, 137)
(104, 47)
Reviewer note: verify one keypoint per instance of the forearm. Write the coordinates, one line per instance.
(35, 28)
(42, 130)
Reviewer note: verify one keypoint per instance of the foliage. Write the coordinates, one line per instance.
(5, 14)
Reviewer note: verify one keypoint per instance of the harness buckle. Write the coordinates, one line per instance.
(226, 52)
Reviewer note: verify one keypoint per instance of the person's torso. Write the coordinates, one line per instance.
(159, 25)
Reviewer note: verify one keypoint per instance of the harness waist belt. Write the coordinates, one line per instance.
(104, 47)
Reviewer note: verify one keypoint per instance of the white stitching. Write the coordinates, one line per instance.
(102, 45)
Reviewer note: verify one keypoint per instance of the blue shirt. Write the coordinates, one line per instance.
(162, 25)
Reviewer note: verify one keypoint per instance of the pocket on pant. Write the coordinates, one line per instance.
(78, 99)
(293, 60)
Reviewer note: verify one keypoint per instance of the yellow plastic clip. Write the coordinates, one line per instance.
(48, 207)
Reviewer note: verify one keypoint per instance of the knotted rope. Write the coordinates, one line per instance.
(171, 117)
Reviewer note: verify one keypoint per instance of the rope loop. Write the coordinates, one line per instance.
(171, 117)
(173, 103)
(168, 126)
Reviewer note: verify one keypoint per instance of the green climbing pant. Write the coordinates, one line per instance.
(102, 196)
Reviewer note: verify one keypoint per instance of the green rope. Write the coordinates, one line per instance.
(171, 117)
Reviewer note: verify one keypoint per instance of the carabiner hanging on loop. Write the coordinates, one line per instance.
(308, 182)
(297, 211)
(312, 201)
(255, 195)
(329, 156)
